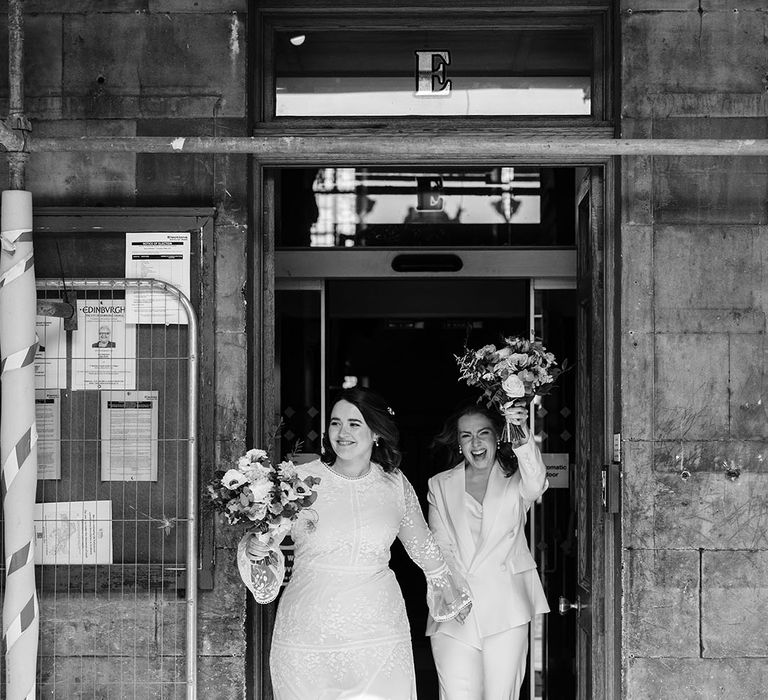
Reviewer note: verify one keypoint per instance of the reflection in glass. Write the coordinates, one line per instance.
(492, 72)
(497, 206)
(298, 335)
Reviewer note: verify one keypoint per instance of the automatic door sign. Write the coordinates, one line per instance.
(429, 194)
(557, 469)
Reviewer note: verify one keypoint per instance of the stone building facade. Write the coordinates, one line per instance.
(689, 309)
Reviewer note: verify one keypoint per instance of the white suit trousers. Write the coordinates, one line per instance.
(494, 672)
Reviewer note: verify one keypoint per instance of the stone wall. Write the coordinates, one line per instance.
(694, 254)
(694, 241)
(147, 67)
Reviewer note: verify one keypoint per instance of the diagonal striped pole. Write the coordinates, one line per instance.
(18, 442)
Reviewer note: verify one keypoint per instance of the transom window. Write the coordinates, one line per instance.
(457, 66)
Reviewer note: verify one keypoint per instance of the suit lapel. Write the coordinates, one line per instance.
(455, 489)
(492, 505)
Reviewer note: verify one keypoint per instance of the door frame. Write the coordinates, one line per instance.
(606, 650)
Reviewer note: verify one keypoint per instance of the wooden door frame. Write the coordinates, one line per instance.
(606, 654)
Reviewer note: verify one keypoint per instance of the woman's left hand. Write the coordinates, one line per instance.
(517, 413)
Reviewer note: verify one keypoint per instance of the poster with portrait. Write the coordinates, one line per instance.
(51, 355)
(73, 532)
(129, 435)
(103, 346)
(161, 256)
(48, 421)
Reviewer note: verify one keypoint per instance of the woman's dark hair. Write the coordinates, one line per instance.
(378, 416)
(446, 442)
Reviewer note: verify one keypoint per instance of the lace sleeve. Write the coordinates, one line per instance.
(445, 594)
(263, 579)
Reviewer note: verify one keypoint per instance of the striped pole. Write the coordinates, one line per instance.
(18, 442)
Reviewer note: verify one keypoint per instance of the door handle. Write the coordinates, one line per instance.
(564, 605)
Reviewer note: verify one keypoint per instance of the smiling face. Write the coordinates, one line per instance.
(477, 439)
(349, 434)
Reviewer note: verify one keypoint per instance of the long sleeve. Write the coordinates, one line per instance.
(441, 533)
(445, 594)
(533, 472)
(263, 579)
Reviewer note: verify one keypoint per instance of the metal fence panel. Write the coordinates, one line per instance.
(116, 524)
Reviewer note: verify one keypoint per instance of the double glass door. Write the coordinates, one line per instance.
(400, 337)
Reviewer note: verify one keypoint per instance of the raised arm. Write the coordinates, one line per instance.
(533, 472)
(446, 597)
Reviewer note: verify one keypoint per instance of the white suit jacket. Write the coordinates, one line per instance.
(500, 572)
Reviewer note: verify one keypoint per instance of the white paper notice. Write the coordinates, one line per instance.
(103, 346)
(73, 532)
(129, 435)
(557, 469)
(160, 256)
(51, 355)
(48, 420)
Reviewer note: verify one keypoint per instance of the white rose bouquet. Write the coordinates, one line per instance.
(267, 499)
(514, 372)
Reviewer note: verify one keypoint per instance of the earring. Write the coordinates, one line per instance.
(376, 441)
(459, 449)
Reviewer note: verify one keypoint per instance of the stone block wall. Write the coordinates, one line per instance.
(147, 67)
(694, 241)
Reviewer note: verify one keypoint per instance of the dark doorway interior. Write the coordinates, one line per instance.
(399, 338)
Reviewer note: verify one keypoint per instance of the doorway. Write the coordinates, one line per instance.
(388, 304)
(399, 337)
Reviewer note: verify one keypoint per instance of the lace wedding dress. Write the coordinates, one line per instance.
(341, 631)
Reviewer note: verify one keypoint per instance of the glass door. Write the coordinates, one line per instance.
(400, 337)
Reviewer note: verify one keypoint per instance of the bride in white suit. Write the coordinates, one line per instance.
(477, 512)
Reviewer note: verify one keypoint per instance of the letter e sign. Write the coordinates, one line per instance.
(431, 76)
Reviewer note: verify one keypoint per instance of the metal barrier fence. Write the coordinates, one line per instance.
(117, 495)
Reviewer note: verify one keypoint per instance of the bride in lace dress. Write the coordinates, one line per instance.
(341, 631)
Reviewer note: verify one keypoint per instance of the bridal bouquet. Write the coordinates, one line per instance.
(515, 372)
(267, 498)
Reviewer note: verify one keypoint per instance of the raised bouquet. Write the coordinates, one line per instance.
(510, 374)
(266, 499)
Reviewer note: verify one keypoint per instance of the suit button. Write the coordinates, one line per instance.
(503, 567)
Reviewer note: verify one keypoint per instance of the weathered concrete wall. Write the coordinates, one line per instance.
(148, 67)
(695, 295)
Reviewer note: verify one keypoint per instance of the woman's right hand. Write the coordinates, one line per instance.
(256, 549)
